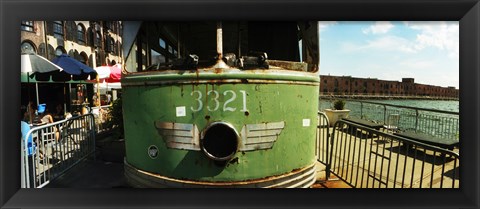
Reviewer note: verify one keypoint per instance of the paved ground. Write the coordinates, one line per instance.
(106, 170)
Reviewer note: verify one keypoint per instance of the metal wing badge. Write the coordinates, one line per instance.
(179, 135)
(260, 136)
(187, 137)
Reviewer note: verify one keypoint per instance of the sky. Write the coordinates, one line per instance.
(425, 51)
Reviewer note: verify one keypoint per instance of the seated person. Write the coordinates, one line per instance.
(59, 115)
(46, 118)
(30, 148)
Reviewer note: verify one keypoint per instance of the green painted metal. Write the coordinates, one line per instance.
(280, 75)
(295, 102)
(24, 78)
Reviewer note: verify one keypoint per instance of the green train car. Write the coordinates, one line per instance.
(198, 117)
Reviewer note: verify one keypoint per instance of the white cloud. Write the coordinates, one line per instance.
(439, 35)
(380, 27)
(384, 43)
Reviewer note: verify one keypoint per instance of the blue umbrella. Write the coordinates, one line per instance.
(72, 69)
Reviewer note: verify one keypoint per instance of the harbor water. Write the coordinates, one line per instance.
(439, 124)
(453, 106)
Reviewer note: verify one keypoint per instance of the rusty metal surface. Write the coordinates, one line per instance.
(296, 66)
(220, 75)
(303, 178)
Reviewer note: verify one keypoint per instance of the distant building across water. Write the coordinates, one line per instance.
(347, 85)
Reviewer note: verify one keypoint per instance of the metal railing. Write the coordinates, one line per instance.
(322, 135)
(59, 146)
(368, 158)
(388, 95)
(445, 124)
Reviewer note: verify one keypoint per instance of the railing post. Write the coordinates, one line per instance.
(416, 120)
(361, 110)
(384, 114)
(23, 171)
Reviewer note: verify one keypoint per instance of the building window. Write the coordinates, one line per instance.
(58, 29)
(60, 50)
(110, 25)
(27, 26)
(156, 57)
(163, 44)
(98, 39)
(81, 34)
(27, 48)
(111, 45)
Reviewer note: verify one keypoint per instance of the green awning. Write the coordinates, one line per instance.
(25, 79)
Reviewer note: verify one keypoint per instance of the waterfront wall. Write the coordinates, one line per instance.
(331, 96)
(372, 88)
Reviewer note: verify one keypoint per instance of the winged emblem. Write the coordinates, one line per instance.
(260, 136)
(179, 135)
(187, 137)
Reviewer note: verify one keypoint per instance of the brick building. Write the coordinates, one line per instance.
(347, 85)
(94, 43)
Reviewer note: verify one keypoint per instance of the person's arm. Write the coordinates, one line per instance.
(50, 119)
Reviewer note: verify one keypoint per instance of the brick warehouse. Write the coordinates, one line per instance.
(347, 85)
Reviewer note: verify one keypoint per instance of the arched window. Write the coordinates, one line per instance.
(58, 29)
(98, 39)
(28, 47)
(60, 50)
(83, 58)
(81, 34)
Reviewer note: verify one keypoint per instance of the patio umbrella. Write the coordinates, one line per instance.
(39, 67)
(107, 75)
(72, 69)
(34, 65)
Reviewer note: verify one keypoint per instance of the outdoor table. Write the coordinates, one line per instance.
(429, 139)
(365, 123)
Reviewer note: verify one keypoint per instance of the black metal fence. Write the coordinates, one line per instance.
(368, 158)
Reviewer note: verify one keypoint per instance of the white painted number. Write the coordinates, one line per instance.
(244, 101)
(217, 103)
(214, 95)
(199, 100)
(234, 96)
